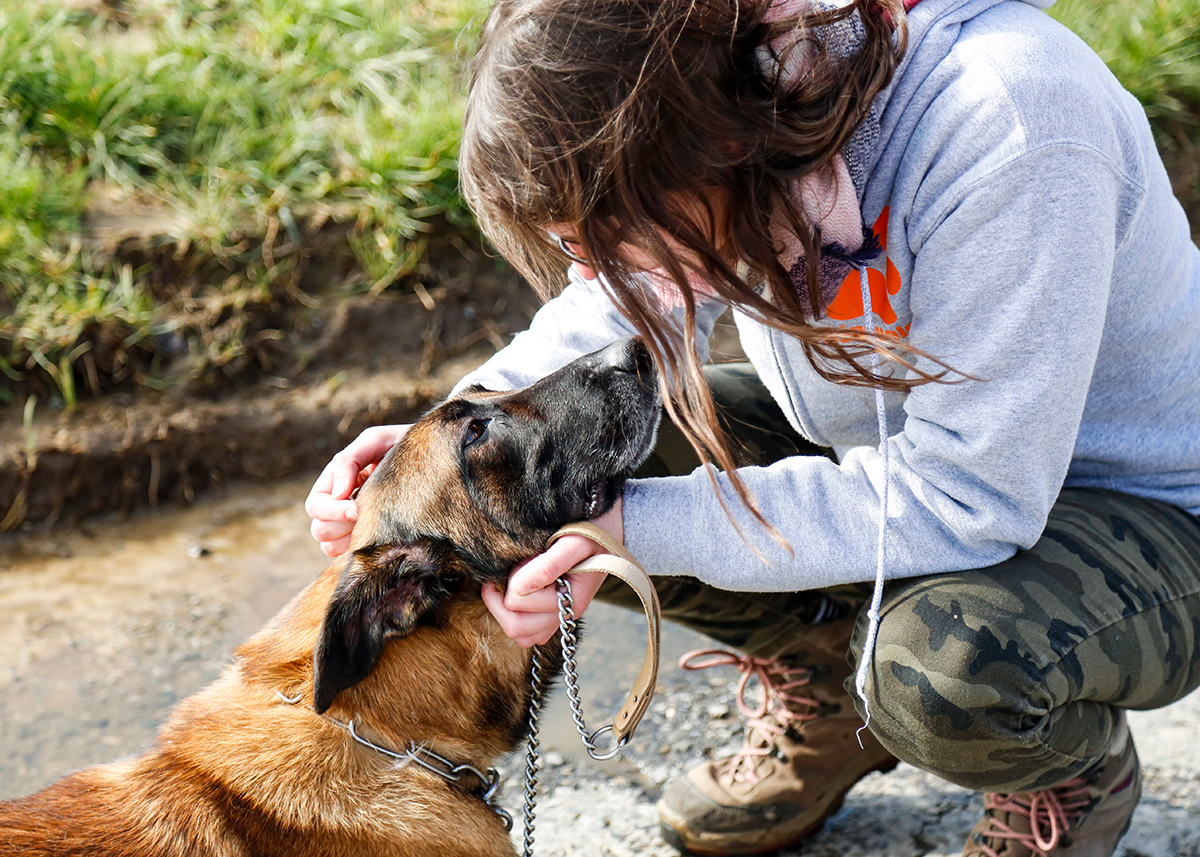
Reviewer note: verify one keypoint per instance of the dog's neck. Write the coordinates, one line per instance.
(479, 781)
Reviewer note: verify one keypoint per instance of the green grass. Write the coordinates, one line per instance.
(180, 179)
(253, 127)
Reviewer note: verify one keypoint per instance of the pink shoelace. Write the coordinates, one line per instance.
(779, 683)
(1050, 813)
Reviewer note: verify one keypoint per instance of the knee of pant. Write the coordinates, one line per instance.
(933, 689)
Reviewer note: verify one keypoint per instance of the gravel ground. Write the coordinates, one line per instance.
(104, 629)
(588, 809)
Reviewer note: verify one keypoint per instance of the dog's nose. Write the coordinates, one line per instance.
(627, 355)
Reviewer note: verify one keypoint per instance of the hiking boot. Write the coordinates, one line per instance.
(800, 757)
(1084, 817)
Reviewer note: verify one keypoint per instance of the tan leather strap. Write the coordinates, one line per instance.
(621, 564)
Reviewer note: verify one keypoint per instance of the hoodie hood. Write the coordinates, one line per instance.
(933, 27)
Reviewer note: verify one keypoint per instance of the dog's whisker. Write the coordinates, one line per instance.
(483, 649)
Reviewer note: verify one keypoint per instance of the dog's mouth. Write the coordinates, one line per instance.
(605, 490)
(600, 497)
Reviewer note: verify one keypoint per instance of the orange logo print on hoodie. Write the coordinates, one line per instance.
(848, 305)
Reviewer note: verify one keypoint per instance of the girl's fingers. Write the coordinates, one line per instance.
(584, 586)
(532, 618)
(336, 547)
(527, 629)
(536, 618)
(329, 501)
(346, 469)
(527, 609)
(538, 573)
(337, 518)
(328, 531)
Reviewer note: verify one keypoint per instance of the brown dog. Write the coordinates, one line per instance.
(392, 643)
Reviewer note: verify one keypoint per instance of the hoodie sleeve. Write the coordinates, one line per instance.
(1010, 286)
(578, 321)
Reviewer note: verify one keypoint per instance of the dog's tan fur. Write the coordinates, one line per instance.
(392, 636)
(239, 771)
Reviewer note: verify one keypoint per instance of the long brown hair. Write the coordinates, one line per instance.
(625, 119)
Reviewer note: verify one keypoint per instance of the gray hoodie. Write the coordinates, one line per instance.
(1032, 242)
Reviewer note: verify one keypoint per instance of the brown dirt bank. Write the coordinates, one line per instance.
(363, 361)
(358, 362)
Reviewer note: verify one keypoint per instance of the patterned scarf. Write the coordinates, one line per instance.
(829, 199)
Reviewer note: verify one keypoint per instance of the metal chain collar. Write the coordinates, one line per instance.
(449, 770)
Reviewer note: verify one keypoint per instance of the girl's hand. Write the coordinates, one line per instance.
(329, 502)
(528, 609)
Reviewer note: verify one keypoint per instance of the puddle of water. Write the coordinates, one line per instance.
(104, 629)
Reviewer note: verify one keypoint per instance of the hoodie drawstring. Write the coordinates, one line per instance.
(868, 650)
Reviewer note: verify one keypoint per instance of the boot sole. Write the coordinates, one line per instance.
(724, 845)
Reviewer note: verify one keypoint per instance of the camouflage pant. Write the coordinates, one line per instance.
(998, 679)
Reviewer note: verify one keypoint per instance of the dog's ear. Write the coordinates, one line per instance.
(383, 592)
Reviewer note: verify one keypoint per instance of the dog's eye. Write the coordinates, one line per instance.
(476, 429)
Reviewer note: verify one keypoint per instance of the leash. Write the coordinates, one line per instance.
(619, 563)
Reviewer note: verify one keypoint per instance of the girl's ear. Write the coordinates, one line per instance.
(383, 592)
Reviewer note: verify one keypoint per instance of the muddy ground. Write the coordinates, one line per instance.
(105, 625)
